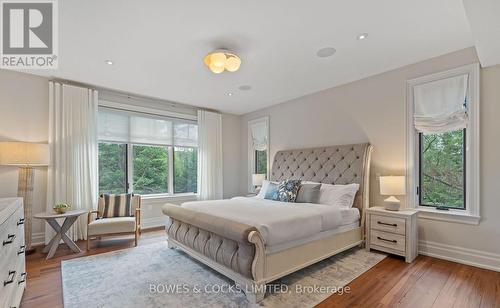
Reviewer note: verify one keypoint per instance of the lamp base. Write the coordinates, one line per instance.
(392, 204)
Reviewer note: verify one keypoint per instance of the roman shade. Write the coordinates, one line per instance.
(141, 128)
(441, 106)
(259, 135)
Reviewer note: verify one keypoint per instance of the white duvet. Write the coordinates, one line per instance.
(278, 222)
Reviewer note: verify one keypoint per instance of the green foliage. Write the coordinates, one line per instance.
(150, 164)
(150, 169)
(112, 163)
(442, 169)
(260, 162)
(185, 169)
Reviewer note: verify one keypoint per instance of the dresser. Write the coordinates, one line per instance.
(395, 232)
(12, 261)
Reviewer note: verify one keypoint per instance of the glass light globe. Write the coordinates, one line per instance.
(215, 68)
(232, 63)
(218, 59)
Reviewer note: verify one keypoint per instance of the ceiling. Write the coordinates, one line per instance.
(158, 46)
(485, 24)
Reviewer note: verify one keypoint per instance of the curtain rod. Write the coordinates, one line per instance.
(128, 95)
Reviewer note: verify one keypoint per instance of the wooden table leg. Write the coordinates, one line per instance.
(65, 227)
(60, 234)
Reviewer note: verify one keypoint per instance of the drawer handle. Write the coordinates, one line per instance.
(386, 224)
(23, 278)
(11, 275)
(10, 239)
(22, 249)
(384, 239)
(21, 221)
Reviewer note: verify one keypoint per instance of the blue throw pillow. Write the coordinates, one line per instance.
(272, 191)
(288, 190)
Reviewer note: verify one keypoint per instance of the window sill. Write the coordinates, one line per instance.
(164, 198)
(456, 216)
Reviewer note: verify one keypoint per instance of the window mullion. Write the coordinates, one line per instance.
(170, 169)
(130, 168)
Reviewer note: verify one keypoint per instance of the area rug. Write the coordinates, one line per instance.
(156, 276)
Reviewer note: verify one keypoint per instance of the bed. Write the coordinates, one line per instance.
(256, 241)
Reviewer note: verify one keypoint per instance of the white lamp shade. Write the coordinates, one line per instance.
(24, 154)
(258, 179)
(392, 185)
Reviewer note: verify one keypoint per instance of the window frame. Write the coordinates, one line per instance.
(471, 213)
(464, 173)
(251, 151)
(132, 109)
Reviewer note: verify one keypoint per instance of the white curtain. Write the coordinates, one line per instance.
(259, 135)
(209, 155)
(72, 174)
(441, 106)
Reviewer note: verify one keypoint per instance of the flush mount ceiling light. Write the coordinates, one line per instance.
(326, 52)
(362, 36)
(222, 60)
(108, 62)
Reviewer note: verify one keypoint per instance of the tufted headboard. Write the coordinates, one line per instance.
(339, 164)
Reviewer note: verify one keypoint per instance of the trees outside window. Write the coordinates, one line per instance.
(442, 169)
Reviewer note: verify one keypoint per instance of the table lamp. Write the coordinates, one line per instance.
(25, 155)
(392, 186)
(257, 180)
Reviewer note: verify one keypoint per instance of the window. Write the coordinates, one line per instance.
(442, 169)
(112, 168)
(186, 168)
(260, 162)
(258, 148)
(443, 145)
(146, 154)
(150, 169)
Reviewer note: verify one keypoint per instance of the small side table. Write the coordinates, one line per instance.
(69, 219)
(394, 232)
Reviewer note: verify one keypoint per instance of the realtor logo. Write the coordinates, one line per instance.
(29, 34)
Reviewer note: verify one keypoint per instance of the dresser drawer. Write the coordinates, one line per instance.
(387, 223)
(393, 241)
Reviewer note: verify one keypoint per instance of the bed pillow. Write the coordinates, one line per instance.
(271, 191)
(341, 195)
(288, 190)
(263, 190)
(308, 193)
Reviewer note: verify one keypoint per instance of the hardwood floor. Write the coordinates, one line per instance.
(427, 282)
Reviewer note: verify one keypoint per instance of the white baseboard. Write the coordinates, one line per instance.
(153, 222)
(478, 258)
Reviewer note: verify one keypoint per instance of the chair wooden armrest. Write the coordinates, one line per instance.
(138, 220)
(89, 217)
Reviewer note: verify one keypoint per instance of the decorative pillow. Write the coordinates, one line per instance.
(117, 205)
(263, 190)
(308, 193)
(288, 190)
(271, 191)
(341, 195)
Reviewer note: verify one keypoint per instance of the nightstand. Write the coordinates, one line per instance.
(392, 231)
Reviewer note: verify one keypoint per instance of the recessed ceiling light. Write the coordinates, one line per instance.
(229, 94)
(326, 52)
(245, 87)
(362, 36)
(109, 62)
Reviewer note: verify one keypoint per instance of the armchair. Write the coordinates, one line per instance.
(112, 226)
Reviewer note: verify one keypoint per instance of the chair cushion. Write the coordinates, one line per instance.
(117, 205)
(112, 225)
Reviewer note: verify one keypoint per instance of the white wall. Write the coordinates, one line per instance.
(373, 109)
(24, 116)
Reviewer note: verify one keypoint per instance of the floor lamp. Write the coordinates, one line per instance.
(26, 156)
